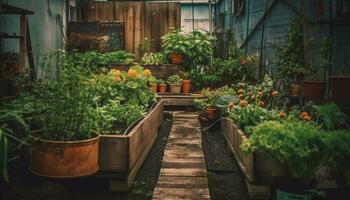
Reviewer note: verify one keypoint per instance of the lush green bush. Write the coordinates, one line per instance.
(153, 59)
(174, 42)
(298, 146)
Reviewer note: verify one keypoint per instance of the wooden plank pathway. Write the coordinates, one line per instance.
(183, 174)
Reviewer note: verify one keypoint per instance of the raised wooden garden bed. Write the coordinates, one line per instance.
(259, 169)
(121, 156)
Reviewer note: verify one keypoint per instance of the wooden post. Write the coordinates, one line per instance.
(22, 42)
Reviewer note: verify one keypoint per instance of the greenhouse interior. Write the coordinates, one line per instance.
(174, 99)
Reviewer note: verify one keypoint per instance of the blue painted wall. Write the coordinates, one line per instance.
(276, 24)
(46, 26)
(201, 17)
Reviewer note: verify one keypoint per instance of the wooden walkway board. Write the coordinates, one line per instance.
(183, 174)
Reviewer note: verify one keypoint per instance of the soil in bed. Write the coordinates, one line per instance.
(225, 179)
(25, 186)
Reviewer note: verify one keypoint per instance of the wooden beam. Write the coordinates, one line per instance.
(12, 10)
(32, 70)
(22, 42)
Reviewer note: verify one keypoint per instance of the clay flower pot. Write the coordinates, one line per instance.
(186, 86)
(176, 58)
(314, 89)
(65, 159)
(175, 88)
(211, 113)
(162, 88)
(153, 87)
(340, 87)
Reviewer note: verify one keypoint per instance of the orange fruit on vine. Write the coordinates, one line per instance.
(147, 72)
(306, 118)
(274, 93)
(282, 115)
(132, 73)
(118, 78)
(240, 91)
(260, 94)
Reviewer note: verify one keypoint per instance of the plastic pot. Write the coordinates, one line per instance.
(186, 86)
(176, 58)
(340, 87)
(162, 88)
(314, 89)
(211, 113)
(175, 88)
(153, 87)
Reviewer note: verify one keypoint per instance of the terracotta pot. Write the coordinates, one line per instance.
(65, 159)
(153, 87)
(340, 87)
(295, 89)
(162, 88)
(211, 112)
(175, 88)
(176, 58)
(314, 89)
(186, 86)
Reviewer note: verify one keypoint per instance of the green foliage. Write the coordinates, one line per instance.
(174, 80)
(174, 42)
(96, 60)
(196, 46)
(329, 116)
(153, 59)
(11, 124)
(211, 97)
(297, 146)
(145, 47)
(246, 117)
(338, 150)
(291, 55)
(199, 48)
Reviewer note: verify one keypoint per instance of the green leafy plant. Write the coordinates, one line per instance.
(338, 150)
(174, 80)
(145, 47)
(296, 145)
(174, 42)
(153, 59)
(291, 56)
(199, 48)
(211, 97)
(250, 115)
(329, 116)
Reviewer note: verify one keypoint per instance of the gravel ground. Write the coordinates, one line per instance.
(25, 186)
(224, 176)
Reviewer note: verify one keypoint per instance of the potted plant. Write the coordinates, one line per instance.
(67, 142)
(186, 82)
(315, 88)
(207, 104)
(153, 84)
(298, 147)
(154, 59)
(162, 86)
(174, 82)
(340, 84)
(291, 59)
(174, 45)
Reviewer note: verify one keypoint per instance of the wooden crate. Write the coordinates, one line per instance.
(121, 156)
(179, 99)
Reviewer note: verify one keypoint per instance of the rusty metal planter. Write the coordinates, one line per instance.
(65, 159)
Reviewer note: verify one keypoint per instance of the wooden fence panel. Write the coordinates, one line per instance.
(142, 19)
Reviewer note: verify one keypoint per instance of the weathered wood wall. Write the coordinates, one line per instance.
(142, 19)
